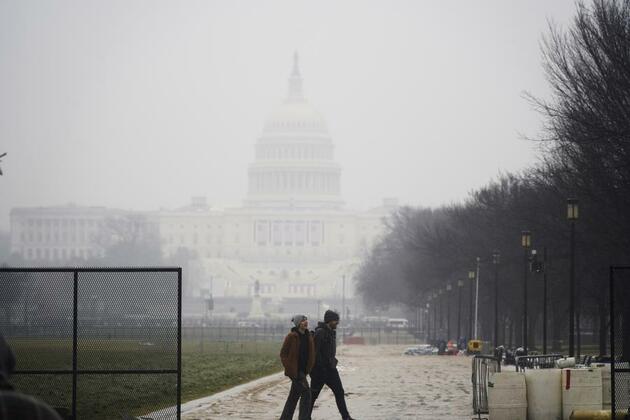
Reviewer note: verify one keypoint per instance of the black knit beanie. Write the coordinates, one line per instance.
(331, 316)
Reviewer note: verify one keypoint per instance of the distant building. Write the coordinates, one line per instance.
(292, 235)
(56, 234)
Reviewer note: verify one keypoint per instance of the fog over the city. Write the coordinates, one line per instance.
(140, 105)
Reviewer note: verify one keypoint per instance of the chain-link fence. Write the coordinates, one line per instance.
(620, 339)
(379, 335)
(95, 343)
(236, 340)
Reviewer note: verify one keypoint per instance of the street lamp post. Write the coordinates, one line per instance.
(435, 307)
(441, 312)
(572, 216)
(417, 326)
(526, 243)
(460, 285)
(495, 261)
(471, 277)
(477, 297)
(448, 311)
(544, 271)
(538, 267)
(427, 313)
(343, 295)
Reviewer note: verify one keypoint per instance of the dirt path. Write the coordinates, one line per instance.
(380, 383)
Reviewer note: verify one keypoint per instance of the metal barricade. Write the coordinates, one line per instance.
(620, 339)
(539, 361)
(482, 367)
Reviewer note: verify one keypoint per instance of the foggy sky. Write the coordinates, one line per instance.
(142, 104)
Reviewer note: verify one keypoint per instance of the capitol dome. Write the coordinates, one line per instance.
(294, 164)
(291, 116)
(295, 113)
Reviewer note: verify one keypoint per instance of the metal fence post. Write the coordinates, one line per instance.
(179, 343)
(74, 343)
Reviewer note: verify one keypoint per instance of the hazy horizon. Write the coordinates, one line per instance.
(141, 105)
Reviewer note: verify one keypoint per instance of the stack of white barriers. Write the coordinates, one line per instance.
(548, 394)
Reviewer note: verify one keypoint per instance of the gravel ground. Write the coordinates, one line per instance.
(380, 383)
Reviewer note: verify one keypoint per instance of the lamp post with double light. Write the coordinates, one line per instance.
(526, 243)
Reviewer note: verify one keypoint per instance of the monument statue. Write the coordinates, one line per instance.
(256, 310)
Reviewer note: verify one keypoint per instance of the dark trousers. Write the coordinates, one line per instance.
(299, 391)
(329, 377)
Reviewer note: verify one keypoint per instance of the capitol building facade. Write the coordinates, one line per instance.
(293, 238)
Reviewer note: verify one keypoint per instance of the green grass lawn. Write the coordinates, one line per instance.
(207, 367)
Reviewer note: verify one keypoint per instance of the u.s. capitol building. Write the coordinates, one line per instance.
(293, 236)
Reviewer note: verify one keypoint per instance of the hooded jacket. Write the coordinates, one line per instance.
(325, 347)
(290, 353)
(7, 364)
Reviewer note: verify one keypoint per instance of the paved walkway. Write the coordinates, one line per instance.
(380, 384)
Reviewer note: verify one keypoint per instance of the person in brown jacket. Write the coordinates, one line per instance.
(298, 357)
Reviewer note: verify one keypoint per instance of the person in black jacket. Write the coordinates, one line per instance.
(325, 371)
(13, 404)
(7, 364)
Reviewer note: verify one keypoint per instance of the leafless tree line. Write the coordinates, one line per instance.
(585, 154)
